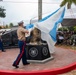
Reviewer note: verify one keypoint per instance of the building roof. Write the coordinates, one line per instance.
(68, 22)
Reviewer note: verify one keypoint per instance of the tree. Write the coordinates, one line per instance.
(71, 28)
(7, 26)
(68, 2)
(2, 12)
(63, 29)
(11, 25)
(75, 29)
(0, 27)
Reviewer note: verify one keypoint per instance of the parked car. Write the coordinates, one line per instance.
(10, 38)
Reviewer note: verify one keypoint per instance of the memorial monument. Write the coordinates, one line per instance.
(37, 49)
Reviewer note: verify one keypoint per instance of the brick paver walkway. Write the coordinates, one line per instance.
(62, 58)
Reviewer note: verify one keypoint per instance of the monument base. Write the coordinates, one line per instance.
(41, 61)
(38, 53)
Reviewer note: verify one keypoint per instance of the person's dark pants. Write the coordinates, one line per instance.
(1, 46)
(22, 54)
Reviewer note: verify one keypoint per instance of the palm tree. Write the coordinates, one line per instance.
(68, 2)
(2, 12)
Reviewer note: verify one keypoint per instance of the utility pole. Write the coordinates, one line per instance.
(39, 9)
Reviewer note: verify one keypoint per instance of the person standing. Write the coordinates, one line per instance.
(1, 45)
(21, 43)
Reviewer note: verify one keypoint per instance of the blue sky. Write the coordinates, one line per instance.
(17, 10)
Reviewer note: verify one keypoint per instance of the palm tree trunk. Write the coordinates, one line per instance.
(68, 6)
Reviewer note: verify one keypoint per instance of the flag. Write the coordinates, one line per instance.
(48, 27)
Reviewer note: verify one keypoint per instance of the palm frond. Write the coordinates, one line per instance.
(68, 2)
(74, 1)
(63, 3)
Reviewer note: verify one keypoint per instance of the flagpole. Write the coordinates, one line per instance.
(39, 9)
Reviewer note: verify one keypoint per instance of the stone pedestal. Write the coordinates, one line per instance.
(38, 53)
